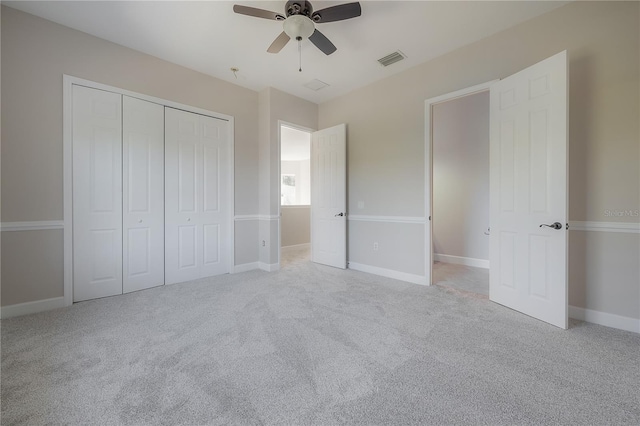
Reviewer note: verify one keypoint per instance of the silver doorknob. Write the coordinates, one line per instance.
(555, 225)
(339, 214)
(188, 219)
(140, 221)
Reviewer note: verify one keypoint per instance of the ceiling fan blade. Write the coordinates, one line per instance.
(337, 13)
(279, 43)
(258, 13)
(322, 42)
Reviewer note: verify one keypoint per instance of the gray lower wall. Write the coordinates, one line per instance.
(604, 272)
(246, 241)
(295, 225)
(400, 245)
(35, 264)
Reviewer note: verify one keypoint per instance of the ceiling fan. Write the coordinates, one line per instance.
(299, 22)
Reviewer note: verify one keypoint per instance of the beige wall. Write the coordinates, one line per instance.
(460, 153)
(386, 136)
(294, 222)
(0, 161)
(35, 55)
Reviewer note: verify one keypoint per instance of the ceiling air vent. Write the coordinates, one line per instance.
(392, 58)
(316, 85)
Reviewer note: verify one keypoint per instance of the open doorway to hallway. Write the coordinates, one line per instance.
(460, 132)
(295, 195)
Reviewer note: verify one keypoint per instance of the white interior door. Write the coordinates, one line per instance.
(143, 194)
(97, 193)
(329, 196)
(528, 183)
(197, 188)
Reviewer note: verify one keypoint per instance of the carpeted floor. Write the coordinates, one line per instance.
(460, 277)
(312, 345)
(293, 255)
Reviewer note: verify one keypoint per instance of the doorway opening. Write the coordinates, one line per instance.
(460, 192)
(458, 187)
(295, 195)
(528, 116)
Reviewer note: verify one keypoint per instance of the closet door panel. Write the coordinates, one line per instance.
(211, 244)
(97, 193)
(197, 183)
(216, 238)
(187, 243)
(143, 190)
(187, 176)
(211, 179)
(183, 183)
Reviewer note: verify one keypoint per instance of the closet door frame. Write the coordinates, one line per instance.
(67, 132)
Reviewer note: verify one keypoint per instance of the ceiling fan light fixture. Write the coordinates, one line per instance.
(301, 20)
(298, 26)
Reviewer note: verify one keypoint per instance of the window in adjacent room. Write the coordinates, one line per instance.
(295, 174)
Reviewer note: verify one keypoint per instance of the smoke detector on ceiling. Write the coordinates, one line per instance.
(392, 58)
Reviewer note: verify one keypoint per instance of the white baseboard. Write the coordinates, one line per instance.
(296, 246)
(245, 267)
(389, 273)
(31, 307)
(604, 318)
(269, 267)
(458, 260)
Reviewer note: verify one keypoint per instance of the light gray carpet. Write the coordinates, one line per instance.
(460, 277)
(311, 345)
(293, 255)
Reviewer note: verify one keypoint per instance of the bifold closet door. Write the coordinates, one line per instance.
(197, 231)
(97, 193)
(143, 194)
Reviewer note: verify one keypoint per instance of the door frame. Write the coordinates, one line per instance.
(428, 162)
(68, 82)
(302, 129)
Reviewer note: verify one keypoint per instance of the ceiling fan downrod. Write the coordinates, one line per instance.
(299, 53)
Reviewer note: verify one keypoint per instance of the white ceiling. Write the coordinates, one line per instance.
(208, 37)
(295, 145)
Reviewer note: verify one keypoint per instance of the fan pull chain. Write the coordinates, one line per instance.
(299, 52)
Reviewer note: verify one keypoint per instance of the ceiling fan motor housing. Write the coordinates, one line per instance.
(297, 7)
